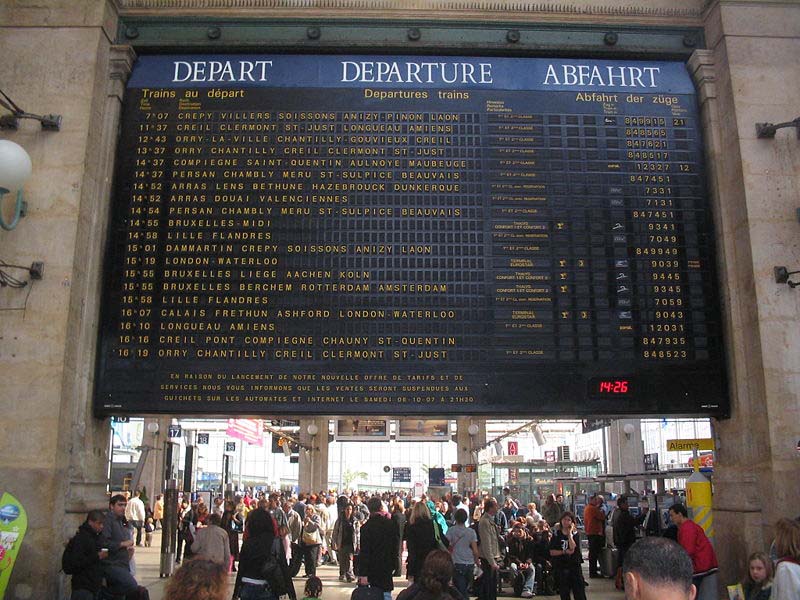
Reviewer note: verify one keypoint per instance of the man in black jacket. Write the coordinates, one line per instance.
(379, 540)
(82, 557)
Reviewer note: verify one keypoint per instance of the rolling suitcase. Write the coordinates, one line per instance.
(609, 559)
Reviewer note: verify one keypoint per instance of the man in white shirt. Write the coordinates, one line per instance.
(333, 515)
(134, 513)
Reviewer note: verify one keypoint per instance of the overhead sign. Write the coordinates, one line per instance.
(203, 439)
(174, 431)
(422, 430)
(230, 446)
(651, 461)
(436, 476)
(361, 430)
(410, 236)
(690, 444)
(471, 468)
(589, 425)
(401, 474)
(550, 456)
(247, 430)
(513, 448)
(456, 468)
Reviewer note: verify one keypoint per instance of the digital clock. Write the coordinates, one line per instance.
(611, 387)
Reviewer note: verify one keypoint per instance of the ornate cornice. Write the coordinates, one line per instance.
(367, 7)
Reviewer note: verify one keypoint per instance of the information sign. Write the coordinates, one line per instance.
(174, 431)
(230, 446)
(550, 456)
(690, 444)
(410, 236)
(651, 461)
(401, 474)
(590, 425)
(202, 438)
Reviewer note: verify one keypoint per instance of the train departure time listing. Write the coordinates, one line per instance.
(393, 235)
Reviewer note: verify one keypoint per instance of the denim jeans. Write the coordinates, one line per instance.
(119, 579)
(462, 577)
(251, 591)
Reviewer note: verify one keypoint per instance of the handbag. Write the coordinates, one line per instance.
(311, 538)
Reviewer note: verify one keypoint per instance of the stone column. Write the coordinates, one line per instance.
(153, 471)
(468, 446)
(625, 449)
(313, 472)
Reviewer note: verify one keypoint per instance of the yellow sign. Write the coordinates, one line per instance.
(689, 445)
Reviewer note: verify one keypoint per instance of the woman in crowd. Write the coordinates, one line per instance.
(434, 580)
(198, 579)
(565, 553)
(263, 571)
(758, 583)
(231, 523)
(311, 540)
(420, 538)
(344, 542)
(201, 514)
(787, 571)
(399, 519)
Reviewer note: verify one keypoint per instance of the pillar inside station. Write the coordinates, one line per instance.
(313, 472)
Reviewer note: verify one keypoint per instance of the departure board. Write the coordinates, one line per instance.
(410, 235)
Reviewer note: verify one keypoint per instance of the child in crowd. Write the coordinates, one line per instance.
(149, 528)
(758, 583)
(313, 589)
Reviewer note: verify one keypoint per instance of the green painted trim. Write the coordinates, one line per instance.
(204, 34)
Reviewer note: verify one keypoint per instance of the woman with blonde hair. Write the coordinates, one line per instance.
(420, 538)
(786, 585)
(198, 579)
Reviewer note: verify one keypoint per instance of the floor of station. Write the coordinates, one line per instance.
(148, 564)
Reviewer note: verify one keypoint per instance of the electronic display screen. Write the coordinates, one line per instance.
(373, 235)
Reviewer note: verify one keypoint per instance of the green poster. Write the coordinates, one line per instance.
(13, 524)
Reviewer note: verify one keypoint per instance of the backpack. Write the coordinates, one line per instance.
(67, 562)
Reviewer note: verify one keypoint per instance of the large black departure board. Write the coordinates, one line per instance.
(410, 235)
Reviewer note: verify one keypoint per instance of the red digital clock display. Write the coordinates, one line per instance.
(613, 387)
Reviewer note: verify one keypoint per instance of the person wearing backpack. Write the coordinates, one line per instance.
(82, 559)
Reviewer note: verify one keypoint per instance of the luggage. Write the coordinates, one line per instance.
(366, 592)
(609, 559)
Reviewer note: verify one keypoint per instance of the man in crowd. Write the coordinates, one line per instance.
(379, 540)
(658, 569)
(693, 539)
(594, 523)
(212, 542)
(116, 537)
(82, 559)
(333, 515)
(489, 549)
(135, 514)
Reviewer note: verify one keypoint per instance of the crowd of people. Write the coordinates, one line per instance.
(456, 547)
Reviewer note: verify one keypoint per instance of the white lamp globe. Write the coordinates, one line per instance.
(628, 429)
(15, 165)
(473, 429)
(152, 427)
(312, 429)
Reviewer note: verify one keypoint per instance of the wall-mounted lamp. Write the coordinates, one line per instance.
(628, 429)
(15, 168)
(767, 130)
(152, 427)
(312, 429)
(538, 435)
(49, 122)
(782, 275)
(473, 429)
